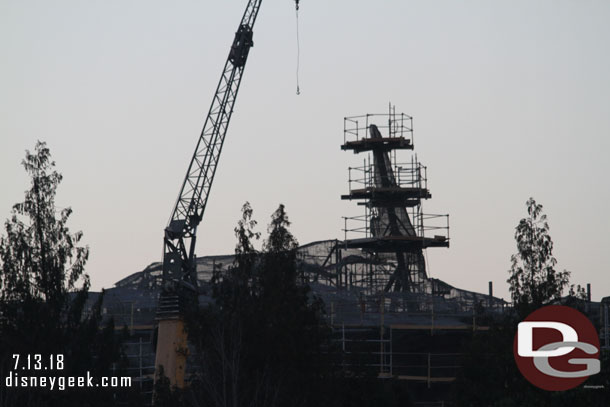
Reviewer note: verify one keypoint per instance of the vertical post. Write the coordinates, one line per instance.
(131, 321)
(429, 370)
(474, 321)
(606, 327)
(141, 378)
(343, 337)
(381, 322)
(370, 265)
(425, 177)
(491, 293)
(349, 178)
(588, 305)
(390, 119)
(339, 277)
(431, 317)
(391, 353)
(411, 131)
(416, 173)
(338, 258)
(332, 314)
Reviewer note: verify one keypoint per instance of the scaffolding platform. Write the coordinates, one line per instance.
(390, 244)
(398, 127)
(383, 144)
(392, 196)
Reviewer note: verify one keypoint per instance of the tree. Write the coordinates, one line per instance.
(260, 343)
(263, 340)
(40, 258)
(533, 279)
(489, 376)
(44, 291)
(278, 276)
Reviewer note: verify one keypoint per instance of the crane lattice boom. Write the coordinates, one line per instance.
(180, 234)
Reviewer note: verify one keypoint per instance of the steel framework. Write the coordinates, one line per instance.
(394, 231)
(180, 233)
(179, 272)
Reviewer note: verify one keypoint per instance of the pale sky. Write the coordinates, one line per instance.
(510, 99)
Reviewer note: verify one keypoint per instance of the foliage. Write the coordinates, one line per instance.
(261, 338)
(263, 341)
(489, 375)
(44, 291)
(40, 258)
(533, 279)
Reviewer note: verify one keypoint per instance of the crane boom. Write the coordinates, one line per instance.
(180, 233)
(179, 268)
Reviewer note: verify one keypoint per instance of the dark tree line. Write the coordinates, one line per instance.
(43, 296)
(263, 340)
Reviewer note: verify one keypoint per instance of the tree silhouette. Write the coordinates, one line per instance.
(533, 279)
(40, 257)
(44, 292)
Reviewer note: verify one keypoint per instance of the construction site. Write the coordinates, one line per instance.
(379, 299)
(372, 276)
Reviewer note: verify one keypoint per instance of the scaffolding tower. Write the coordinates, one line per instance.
(394, 231)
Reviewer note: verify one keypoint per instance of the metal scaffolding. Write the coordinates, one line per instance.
(394, 230)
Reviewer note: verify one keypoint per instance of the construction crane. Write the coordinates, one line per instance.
(179, 289)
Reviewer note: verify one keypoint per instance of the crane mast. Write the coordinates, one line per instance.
(179, 261)
(180, 233)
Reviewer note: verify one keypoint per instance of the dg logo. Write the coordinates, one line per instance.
(556, 348)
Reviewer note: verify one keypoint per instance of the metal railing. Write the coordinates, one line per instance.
(404, 175)
(356, 128)
(433, 226)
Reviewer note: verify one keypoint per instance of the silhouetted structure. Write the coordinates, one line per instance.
(180, 236)
(394, 230)
(380, 302)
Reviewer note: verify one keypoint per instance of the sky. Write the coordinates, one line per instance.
(510, 99)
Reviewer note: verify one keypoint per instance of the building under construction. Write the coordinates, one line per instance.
(379, 298)
(380, 301)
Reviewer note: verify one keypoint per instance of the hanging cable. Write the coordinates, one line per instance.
(296, 2)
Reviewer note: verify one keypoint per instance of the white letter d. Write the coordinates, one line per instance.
(525, 338)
